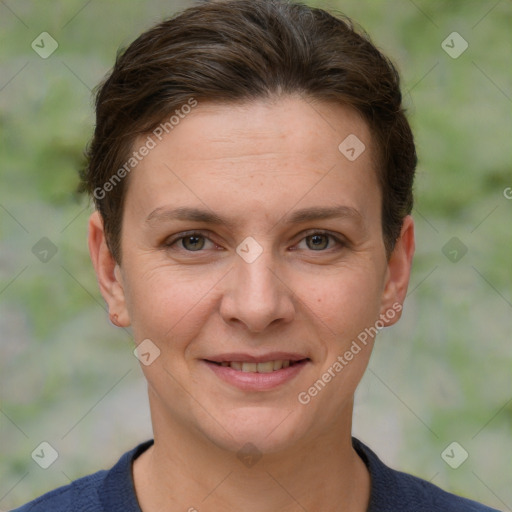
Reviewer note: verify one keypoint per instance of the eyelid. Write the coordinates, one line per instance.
(339, 239)
(168, 242)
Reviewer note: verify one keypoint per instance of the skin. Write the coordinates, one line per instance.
(254, 163)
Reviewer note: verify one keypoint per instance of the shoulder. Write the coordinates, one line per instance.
(104, 491)
(395, 491)
(67, 498)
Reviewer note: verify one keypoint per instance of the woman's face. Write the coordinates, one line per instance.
(227, 306)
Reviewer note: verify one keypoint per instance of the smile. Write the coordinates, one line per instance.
(266, 367)
(257, 375)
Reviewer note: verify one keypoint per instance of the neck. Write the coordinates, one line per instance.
(184, 471)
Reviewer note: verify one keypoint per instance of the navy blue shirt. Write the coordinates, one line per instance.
(113, 490)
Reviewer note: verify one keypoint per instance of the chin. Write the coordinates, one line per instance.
(265, 429)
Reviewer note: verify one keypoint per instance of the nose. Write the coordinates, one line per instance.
(256, 296)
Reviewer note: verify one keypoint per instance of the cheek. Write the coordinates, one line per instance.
(346, 302)
(163, 302)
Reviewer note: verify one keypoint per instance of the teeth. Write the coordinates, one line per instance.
(249, 367)
(265, 367)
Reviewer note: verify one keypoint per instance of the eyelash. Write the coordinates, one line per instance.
(169, 243)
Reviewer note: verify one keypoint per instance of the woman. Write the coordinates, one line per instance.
(252, 169)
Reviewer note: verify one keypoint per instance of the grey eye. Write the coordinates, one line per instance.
(193, 242)
(318, 241)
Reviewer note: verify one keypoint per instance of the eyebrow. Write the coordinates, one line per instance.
(163, 214)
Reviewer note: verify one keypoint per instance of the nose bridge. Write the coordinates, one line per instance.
(257, 278)
(256, 296)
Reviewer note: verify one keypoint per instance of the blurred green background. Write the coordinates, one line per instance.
(442, 374)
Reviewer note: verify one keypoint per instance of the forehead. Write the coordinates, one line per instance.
(271, 153)
(288, 125)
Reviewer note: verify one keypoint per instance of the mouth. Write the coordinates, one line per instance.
(251, 373)
(261, 367)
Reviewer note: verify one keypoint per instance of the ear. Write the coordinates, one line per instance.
(108, 272)
(397, 274)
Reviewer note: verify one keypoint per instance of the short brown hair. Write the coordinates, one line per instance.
(242, 50)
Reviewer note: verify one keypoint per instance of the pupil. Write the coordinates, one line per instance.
(317, 240)
(193, 242)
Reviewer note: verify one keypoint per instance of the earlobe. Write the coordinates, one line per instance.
(398, 274)
(108, 272)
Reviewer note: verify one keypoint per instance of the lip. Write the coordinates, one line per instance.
(263, 358)
(253, 381)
